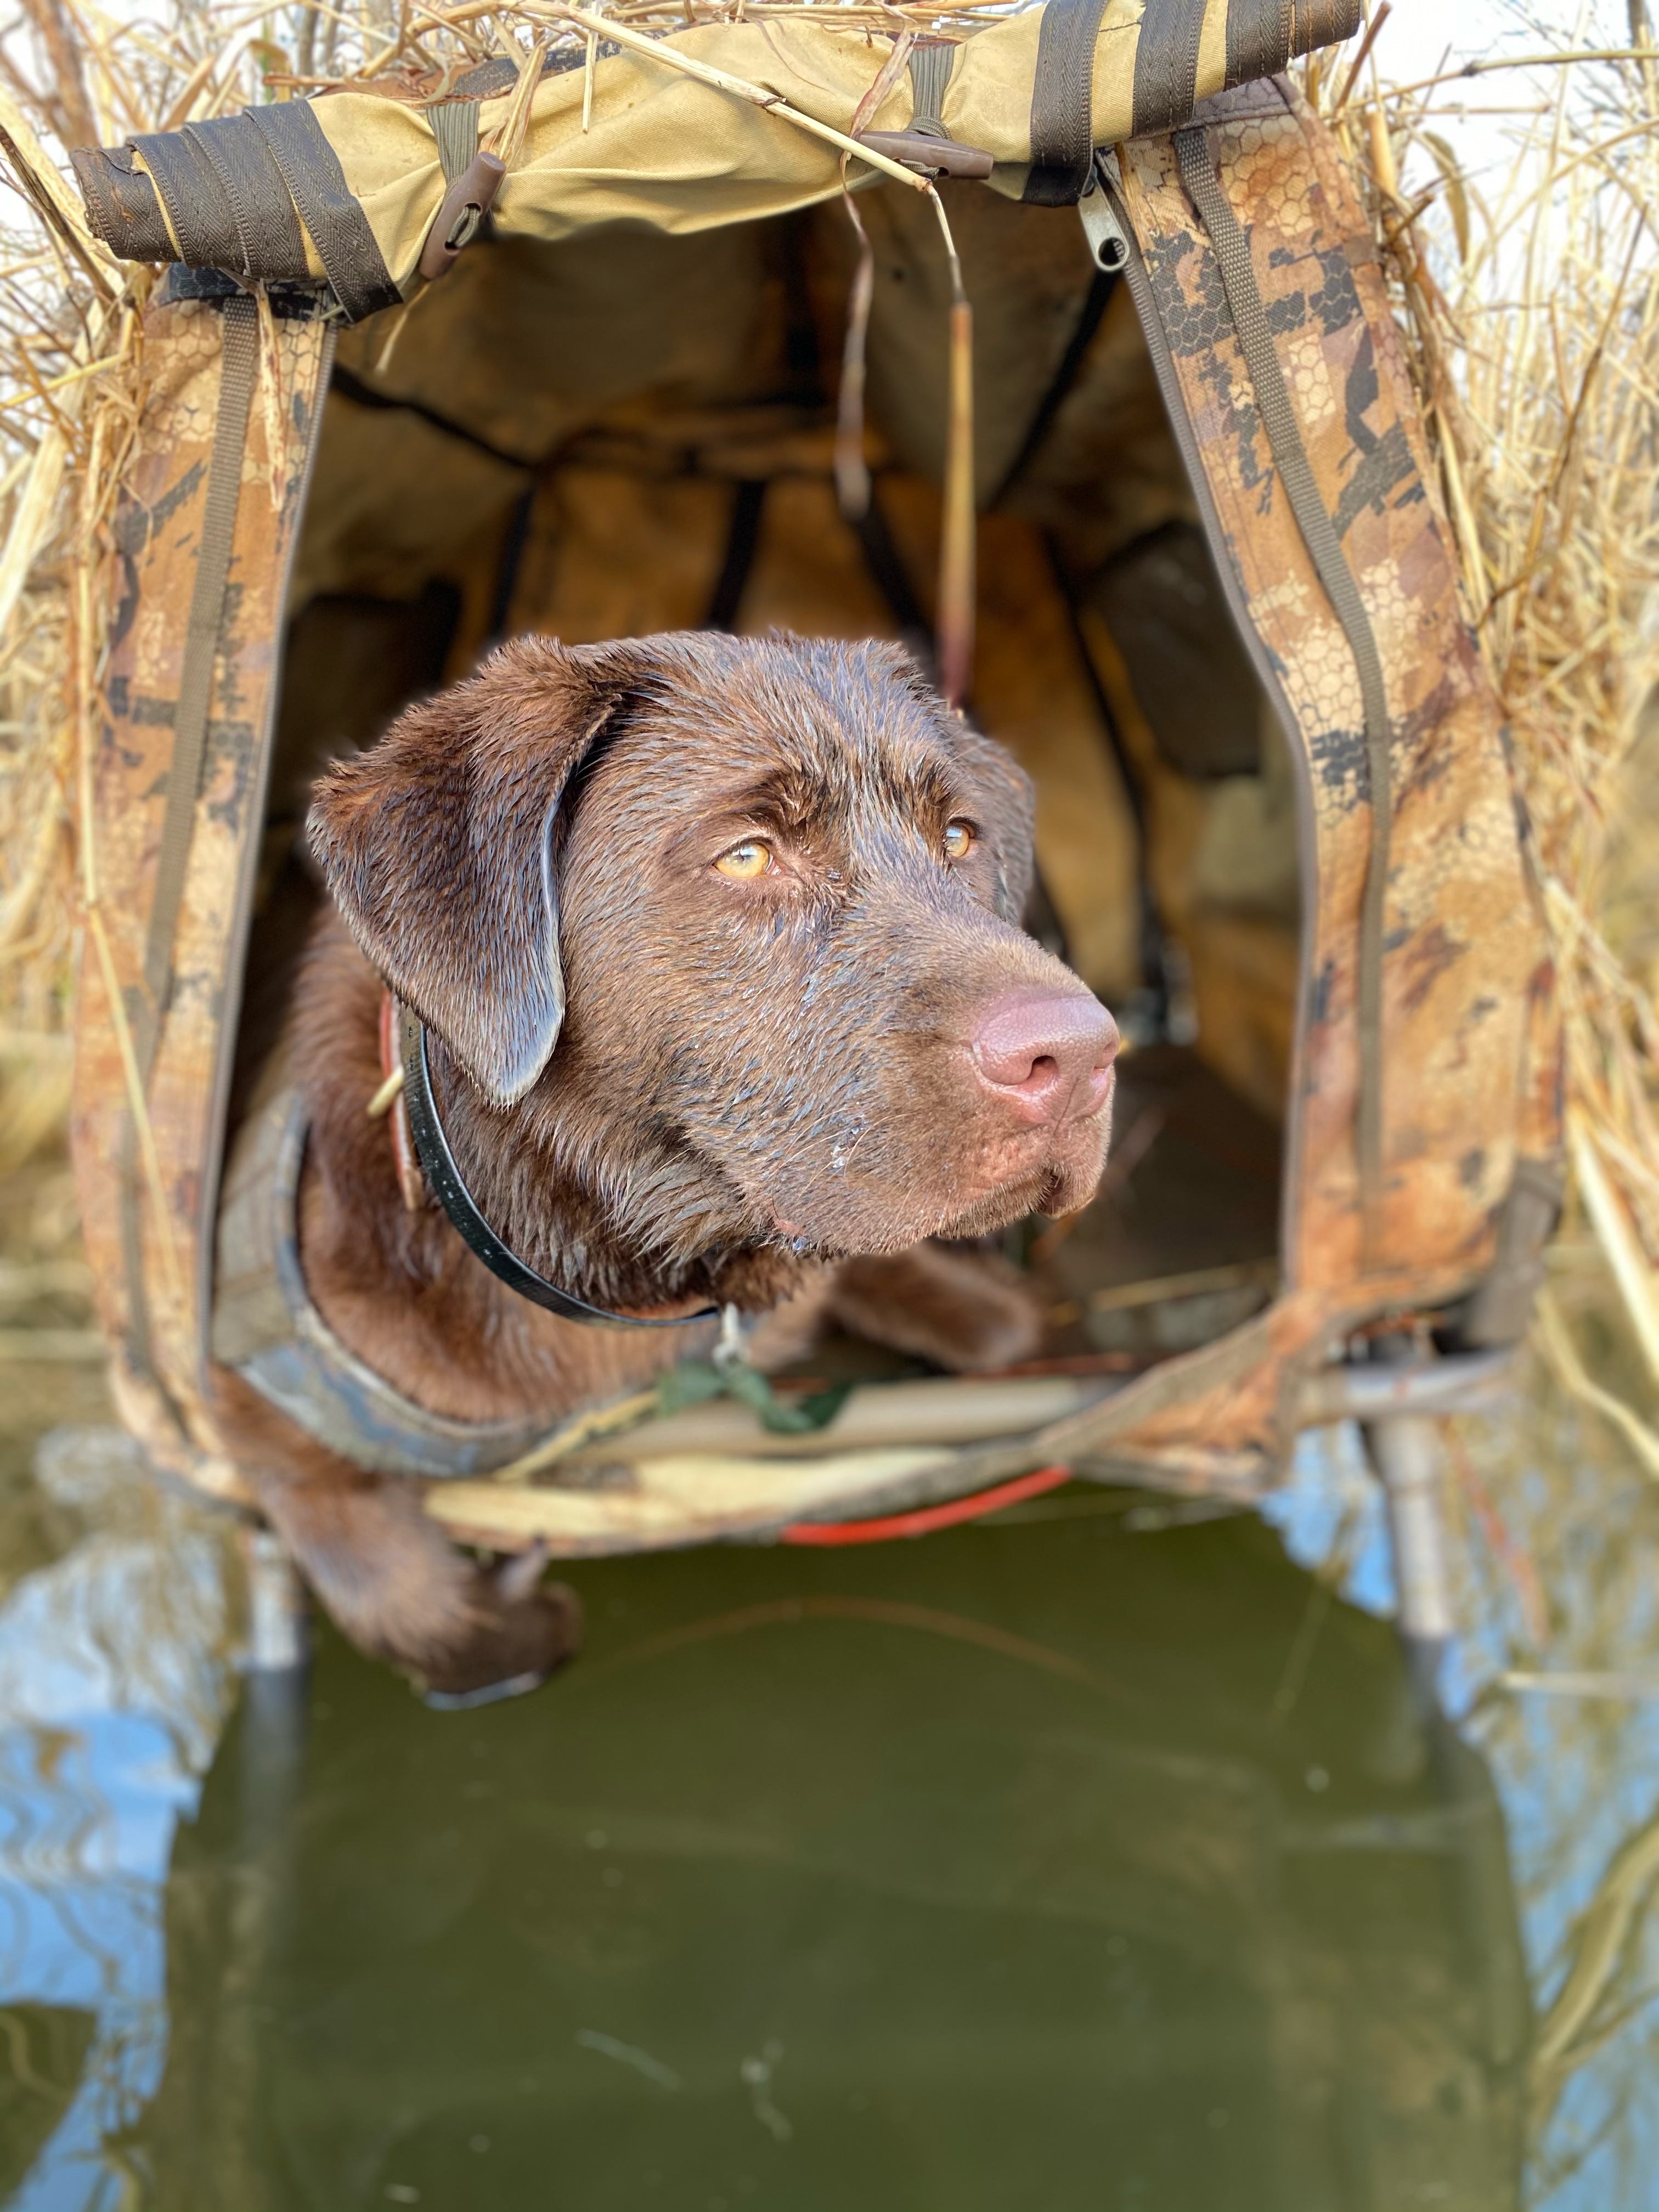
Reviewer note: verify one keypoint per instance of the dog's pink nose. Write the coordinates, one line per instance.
(1046, 1055)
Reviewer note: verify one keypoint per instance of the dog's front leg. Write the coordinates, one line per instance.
(386, 1574)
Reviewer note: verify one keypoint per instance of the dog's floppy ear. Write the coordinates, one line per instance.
(436, 847)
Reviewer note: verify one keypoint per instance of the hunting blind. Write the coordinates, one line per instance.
(561, 345)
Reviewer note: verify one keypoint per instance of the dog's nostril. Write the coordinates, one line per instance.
(1040, 1051)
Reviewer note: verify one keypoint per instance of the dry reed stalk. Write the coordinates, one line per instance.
(1575, 2021)
(958, 533)
(852, 470)
(1530, 302)
(507, 143)
(721, 80)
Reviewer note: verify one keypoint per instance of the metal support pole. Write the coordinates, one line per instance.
(278, 1615)
(1405, 1449)
(276, 1704)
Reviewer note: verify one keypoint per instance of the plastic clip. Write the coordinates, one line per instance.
(466, 204)
(930, 156)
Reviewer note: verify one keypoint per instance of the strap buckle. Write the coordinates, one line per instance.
(456, 222)
(930, 156)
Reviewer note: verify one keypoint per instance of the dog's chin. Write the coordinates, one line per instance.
(1052, 1190)
(1059, 1177)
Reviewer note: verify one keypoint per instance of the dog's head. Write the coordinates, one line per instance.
(762, 896)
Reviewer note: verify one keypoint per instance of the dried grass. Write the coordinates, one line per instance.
(1530, 302)
(1530, 296)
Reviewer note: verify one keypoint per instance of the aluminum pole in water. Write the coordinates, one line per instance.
(1405, 1449)
(278, 1619)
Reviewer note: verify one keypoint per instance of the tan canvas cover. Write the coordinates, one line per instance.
(1470, 1104)
(662, 147)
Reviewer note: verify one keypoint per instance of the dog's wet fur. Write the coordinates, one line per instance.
(666, 1083)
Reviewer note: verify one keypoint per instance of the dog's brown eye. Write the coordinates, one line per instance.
(958, 840)
(751, 858)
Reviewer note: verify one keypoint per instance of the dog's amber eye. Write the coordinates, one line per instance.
(958, 840)
(751, 858)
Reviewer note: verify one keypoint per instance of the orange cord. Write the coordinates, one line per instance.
(927, 1518)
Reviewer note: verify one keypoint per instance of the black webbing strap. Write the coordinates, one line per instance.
(194, 198)
(122, 203)
(268, 244)
(1063, 102)
(235, 191)
(1264, 35)
(237, 368)
(1244, 301)
(1258, 39)
(489, 80)
(1166, 64)
(339, 229)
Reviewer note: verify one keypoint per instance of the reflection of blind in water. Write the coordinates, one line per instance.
(114, 1679)
(42, 2048)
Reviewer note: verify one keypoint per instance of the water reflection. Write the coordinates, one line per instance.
(112, 1682)
(984, 1874)
(1579, 1775)
(1099, 1855)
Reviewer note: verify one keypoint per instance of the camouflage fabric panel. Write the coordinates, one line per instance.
(158, 529)
(1468, 1004)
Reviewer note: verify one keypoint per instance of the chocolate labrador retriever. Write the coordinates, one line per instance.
(716, 945)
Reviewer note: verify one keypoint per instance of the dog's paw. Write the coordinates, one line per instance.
(396, 1586)
(966, 1311)
(521, 1631)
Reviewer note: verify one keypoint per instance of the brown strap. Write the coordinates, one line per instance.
(269, 243)
(235, 190)
(1258, 39)
(1166, 63)
(461, 216)
(1062, 102)
(237, 370)
(1263, 35)
(190, 189)
(492, 78)
(339, 229)
(1198, 175)
(122, 203)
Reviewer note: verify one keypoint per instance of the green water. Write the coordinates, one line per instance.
(1099, 1855)
(977, 1875)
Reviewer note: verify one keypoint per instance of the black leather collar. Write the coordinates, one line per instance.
(449, 1188)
